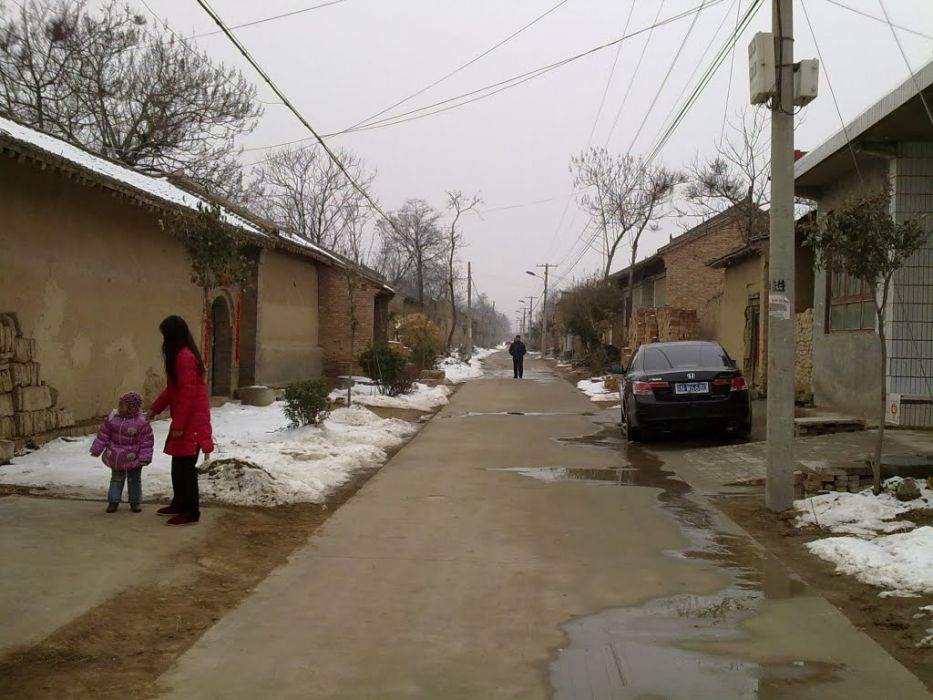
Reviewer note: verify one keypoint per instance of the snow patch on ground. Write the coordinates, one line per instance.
(458, 371)
(258, 459)
(862, 513)
(595, 388)
(878, 550)
(902, 563)
(422, 398)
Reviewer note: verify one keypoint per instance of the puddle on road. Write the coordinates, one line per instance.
(650, 651)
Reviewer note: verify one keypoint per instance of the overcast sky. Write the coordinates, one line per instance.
(345, 62)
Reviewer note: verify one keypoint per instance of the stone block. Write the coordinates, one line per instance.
(7, 338)
(6, 380)
(24, 350)
(32, 398)
(6, 451)
(66, 418)
(24, 373)
(7, 427)
(22, 424)
(6, 404)
(257, 396)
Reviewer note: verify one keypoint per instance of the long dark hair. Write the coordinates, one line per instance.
(175, 336)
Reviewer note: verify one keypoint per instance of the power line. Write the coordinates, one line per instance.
(507, 83)
(242, 49)
(273, 18)
(612, 72)
(913, 76)
(461, 67)
(704, 80)
(878, 19)
(725, 109)
(631, 82)
(832, 92)
(667, 75)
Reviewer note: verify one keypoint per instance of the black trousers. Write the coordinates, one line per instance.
(518, 366)
(185, 486)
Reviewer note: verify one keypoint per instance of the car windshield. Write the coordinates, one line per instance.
(683, 356)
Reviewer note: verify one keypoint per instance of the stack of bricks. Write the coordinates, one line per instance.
(842, 479)
(28, 406)
(803, 356)
(664, 323)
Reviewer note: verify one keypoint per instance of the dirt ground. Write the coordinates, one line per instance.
(120, 648)
(889, 621)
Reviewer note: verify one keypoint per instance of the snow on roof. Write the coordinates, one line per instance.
(158, 187)
(297, 240)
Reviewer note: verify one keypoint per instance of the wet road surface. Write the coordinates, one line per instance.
(519, 548)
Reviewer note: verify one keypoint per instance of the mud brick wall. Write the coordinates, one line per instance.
(664, 323)
(28, 406)
(334, 319)
(803, 355)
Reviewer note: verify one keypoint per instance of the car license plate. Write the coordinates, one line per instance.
(691, 388)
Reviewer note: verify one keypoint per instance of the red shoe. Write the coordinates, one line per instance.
(181, 520)
(167, 510)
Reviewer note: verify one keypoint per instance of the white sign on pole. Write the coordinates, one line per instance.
(893, 412)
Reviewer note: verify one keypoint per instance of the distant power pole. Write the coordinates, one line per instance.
(469, 318)
(531, 315)
(546, 267)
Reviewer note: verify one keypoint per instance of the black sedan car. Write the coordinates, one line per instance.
(689, 384)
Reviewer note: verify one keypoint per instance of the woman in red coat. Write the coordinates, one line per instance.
(190, 430)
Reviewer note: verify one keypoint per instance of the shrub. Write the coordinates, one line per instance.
(306, 403)
(388, 367)
(422, 337)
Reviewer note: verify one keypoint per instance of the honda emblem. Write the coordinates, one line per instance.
(691, 375)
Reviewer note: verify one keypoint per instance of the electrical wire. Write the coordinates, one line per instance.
(725, 109)
(667, 75)
(832, 92)
(612, 71)
(273, 18)
(913, 76)
(513, 81)
(631, 82)
(262, 73)
(704, 80)
(462, 67)
(878, 19)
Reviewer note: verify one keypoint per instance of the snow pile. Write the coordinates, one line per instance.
(458, 371)
(862, 513)
(258, 459)
(422, 398)
(876, 550)
(901, 563)
(595, 388)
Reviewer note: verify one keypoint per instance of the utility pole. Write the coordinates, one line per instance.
(469, 318)
(779, 491)
(531, 316)
(546, 267)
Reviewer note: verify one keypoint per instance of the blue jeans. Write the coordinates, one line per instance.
(134, 485)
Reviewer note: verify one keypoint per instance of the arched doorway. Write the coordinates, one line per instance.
(221, 348)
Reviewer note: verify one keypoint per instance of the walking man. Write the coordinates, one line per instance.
(517, 351)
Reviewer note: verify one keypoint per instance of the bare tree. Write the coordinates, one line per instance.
(458, 205)
(624, 197)
(136, 94)
(737, 176)
(306, 192)
(413, 245)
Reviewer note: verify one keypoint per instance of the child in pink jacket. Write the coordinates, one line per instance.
(124, 442)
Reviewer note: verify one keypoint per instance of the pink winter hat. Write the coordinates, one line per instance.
(132, 400)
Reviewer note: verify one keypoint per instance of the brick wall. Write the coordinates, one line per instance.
(334, 328)
(690, 283)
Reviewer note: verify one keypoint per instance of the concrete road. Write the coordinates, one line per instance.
(499, 555)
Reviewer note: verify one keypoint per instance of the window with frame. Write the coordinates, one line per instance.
(851, 304)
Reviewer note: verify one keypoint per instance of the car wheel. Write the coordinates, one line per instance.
(744, 432)
(633, 432)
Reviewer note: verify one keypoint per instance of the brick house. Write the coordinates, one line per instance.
(677, 274)
(90, 271)
(889, 147)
